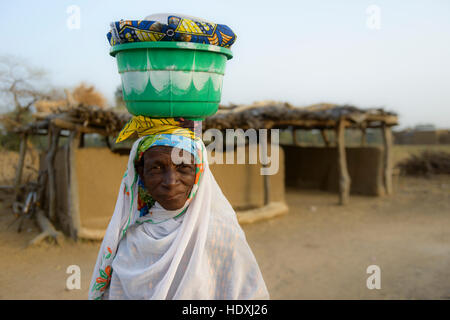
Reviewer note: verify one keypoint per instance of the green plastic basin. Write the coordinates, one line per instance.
(171, 79)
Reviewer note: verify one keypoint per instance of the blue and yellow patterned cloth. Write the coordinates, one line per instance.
(177, 28)
(145, 200)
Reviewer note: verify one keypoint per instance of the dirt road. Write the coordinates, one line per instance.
(319, 250)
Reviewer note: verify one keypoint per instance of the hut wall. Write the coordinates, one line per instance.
(62, 179)
(425, 137)
(420, 137)
(316, 168)
(444, 136)
(243, 185)
(99, 173)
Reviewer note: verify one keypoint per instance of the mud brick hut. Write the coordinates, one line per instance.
(422, 137)
(363, 170)
(79, 184)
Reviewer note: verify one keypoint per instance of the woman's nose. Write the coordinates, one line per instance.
(170, 178)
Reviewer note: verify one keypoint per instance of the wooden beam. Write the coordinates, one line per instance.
(344, 177)
(387, 161)
(309, 124)
(330, 123)
(303, 123)
(64, 124)
(389, 120)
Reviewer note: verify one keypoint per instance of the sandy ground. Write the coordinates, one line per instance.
(319, 250)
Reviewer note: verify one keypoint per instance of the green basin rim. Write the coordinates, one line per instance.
(148, 69)
(177, 101)
(170, 45)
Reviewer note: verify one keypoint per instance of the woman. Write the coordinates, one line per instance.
(173, 234)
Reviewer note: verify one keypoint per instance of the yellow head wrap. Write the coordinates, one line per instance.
(144, 126)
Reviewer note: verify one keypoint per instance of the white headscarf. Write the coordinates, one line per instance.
(202, 254)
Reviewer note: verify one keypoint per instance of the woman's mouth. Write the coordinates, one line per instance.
(173, 197)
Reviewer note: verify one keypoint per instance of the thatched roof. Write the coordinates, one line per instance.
(268, 114)
(87, 119)
(282, 115)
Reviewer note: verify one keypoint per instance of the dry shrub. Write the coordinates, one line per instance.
(50, 105)
(88, 96)
(82, 95)
(426, 163)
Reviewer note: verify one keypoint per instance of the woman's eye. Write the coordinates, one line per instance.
(185, 167)
(154, 169)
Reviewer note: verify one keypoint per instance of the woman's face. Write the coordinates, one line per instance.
(168, 183)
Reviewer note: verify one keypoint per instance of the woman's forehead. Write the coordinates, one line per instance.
(167, 154)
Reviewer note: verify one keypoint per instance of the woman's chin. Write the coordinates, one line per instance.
(172, 205)
(172, 202)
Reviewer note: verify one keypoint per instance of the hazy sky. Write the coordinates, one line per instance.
(302, 52)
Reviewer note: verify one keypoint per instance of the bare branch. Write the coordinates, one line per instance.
(20, 85)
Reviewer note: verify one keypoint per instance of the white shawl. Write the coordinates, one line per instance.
(203, 254)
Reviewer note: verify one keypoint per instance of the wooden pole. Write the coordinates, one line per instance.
(344, 177)
(108, 144)
(20, 165)
(266, 189)
(48, 230)
(81, 143)
(73, 198)
(295, 137)
(266, 177)
(325, 137)
(387, 163)
(363, 137)
(54, 132)
(41, 192)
